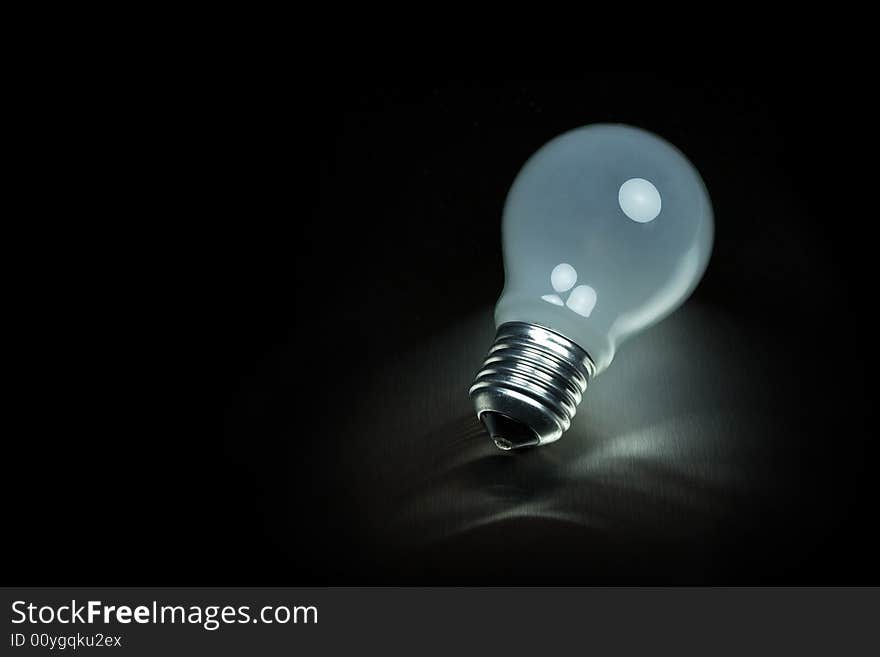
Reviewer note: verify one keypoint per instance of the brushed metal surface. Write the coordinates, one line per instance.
(675, 449)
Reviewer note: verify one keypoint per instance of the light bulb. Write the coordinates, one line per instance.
(606, 230)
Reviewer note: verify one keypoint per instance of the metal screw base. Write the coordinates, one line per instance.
(530, 385)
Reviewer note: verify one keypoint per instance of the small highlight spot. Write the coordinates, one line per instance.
(563, 277)
(582, 300)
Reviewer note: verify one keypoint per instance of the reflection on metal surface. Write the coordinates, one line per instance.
(660, 447)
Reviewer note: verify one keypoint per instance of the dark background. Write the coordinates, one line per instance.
(258, 373)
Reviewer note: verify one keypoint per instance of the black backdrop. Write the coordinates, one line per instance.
(264, 379)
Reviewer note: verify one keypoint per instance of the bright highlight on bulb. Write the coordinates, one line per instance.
(563, 277)
(639, 200)
(606, 230)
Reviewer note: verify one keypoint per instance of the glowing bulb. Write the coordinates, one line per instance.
(606, 230)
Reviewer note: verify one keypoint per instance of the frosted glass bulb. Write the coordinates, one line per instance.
(606, 230)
